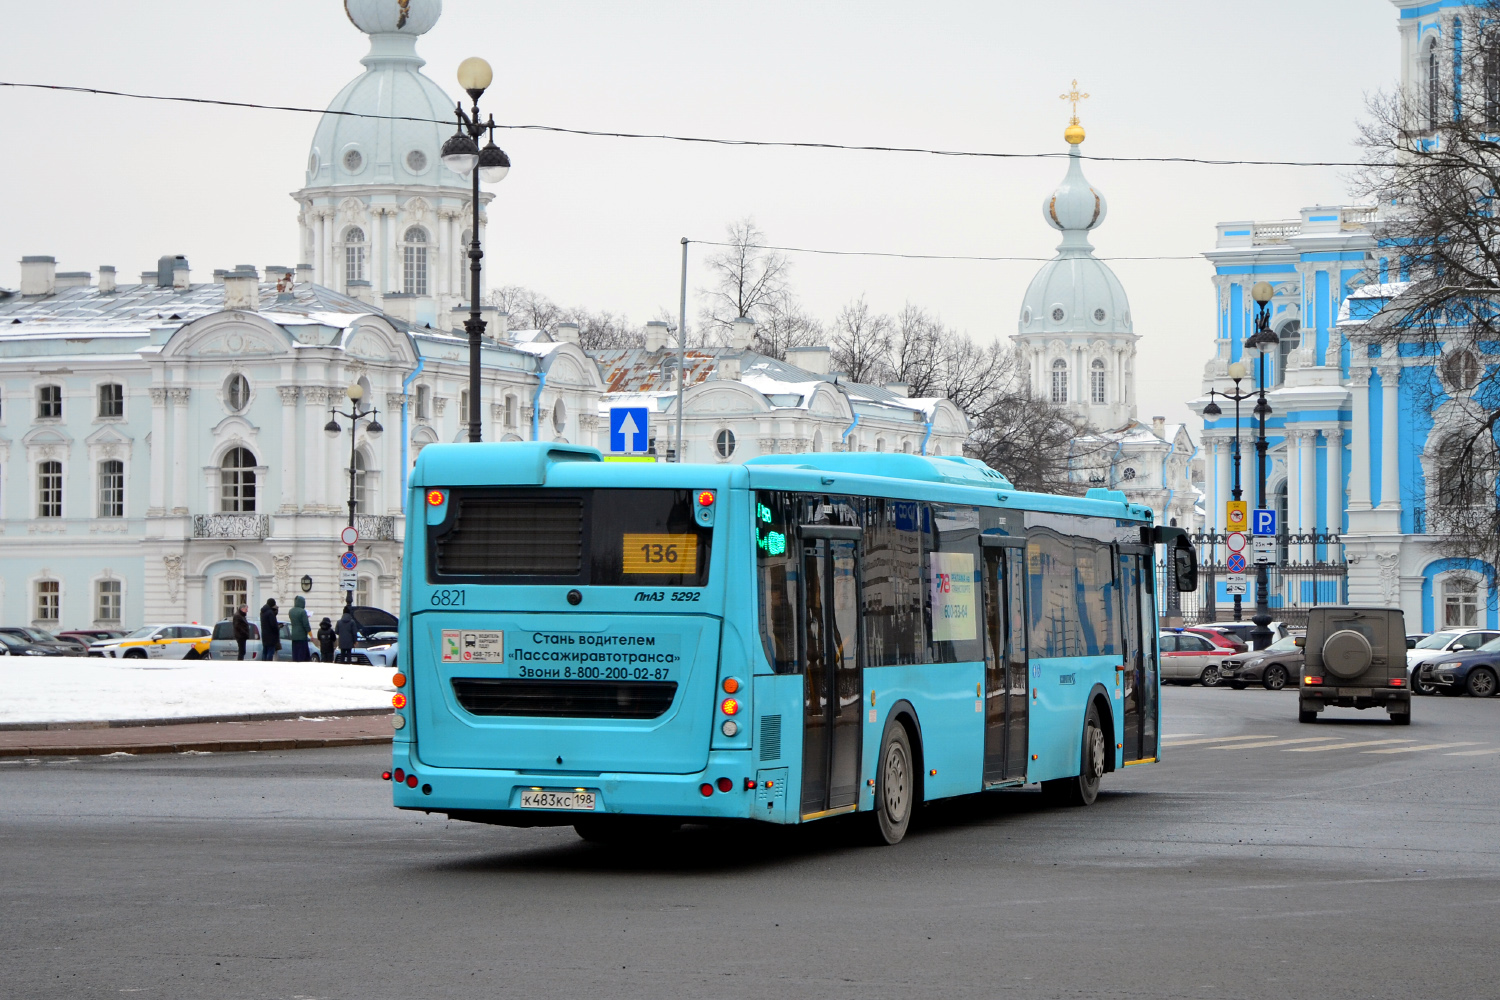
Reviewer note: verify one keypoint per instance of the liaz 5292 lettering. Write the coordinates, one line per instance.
(637, 646)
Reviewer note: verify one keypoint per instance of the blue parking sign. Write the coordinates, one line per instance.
(627, 430)
(1262, 521)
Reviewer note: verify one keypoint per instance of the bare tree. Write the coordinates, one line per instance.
(748, 280)
(783, 324)
(1028, 439)
(1434, 168)
(528, 309)
(861, 343)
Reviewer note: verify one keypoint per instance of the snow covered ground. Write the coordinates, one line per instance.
(80, 689)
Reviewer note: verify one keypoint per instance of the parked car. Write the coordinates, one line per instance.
(86, 637)
(157, 642)
(1274, 667)
(41, 637)
(1189, 658)
(11, 646)
(375, 626)
(1220, 637)
(383, 654)
(1475, 672)
(223, 647)
(1412, 638)
(1242, 630)
(1453, 640)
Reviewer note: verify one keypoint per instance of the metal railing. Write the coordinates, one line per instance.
(1310, 570)
(231, 525)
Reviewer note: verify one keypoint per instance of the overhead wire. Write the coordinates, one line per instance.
(919, 256)
(710, 140)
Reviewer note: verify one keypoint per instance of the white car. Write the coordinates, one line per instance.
(382, 654)
(1453, 640)
(158, 642)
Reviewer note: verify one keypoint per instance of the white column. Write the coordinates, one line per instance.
(179, 450)
(322, 257)
(314, 498)
(1335, 496)
(289, 394)
(384, 282)
(391, 473)
(1309, 489)
(158, 452)
(1359, 450)
(1390, 470)
(1295, 445)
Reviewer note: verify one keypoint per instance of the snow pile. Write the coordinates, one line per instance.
(80, 689)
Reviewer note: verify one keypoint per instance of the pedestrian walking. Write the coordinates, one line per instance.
(301, 629)
(327, 638)
(240, 622)
(270, 631)
(348, 633)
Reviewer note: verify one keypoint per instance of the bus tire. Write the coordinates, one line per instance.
(895, 784)
(1083, 788)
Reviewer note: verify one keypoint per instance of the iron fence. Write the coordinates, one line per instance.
(1309, 570)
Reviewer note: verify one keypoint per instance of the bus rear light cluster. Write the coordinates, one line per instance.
(730, 728)
(724, 785)
(411, 781)
(706, 789)
(436, 498)
(385, 776)
(729, 706)
(731, 685)
(398, 700)
(399, 775)
(705, 498)
(398, 680)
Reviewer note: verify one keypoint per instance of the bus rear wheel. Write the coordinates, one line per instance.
(895, 784)
(1082, 789)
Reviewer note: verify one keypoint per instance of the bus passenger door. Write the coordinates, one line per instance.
(1139, 680)
(1005, 703)
(833, 682)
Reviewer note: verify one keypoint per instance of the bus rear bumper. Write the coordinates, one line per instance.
(494, 795)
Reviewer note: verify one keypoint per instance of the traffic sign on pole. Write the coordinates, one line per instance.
(1236, 584)
(349, 560)
(349, 535)
(1265, 550)
(1263, 521)
(627, 429)
(1235, 564)
(1236, 513)
(1235, 541)
(348, 580)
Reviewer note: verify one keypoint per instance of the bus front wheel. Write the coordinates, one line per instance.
(895, 784)
(1082, 789)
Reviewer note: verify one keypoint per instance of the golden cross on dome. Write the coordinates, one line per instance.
(1075, 97)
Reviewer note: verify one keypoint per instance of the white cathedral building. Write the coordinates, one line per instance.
(1077, 339)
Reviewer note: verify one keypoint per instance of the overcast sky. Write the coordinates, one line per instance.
(596, 222)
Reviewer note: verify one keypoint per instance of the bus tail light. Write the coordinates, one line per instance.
(399, 774)
(436, 498)
(725, 784)
(749, 784)
(730, 706)
(731, 685)
(706, 789)
(705, 498)
(411, 781)
(398, 700)
(385, 776)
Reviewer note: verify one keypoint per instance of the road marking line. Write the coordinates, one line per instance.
(1472, 753)
(1345, 746)
(1425, 746)
(1178, 736)
(1216, 739)
(1273, 743)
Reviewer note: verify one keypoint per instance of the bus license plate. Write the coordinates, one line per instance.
(543, 799)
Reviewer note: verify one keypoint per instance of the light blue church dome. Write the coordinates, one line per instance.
(353, 151)
(1075, 292)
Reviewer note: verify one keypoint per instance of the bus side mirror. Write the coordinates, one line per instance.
(1184, 565)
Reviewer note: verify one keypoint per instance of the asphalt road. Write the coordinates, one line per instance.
(1245, 867)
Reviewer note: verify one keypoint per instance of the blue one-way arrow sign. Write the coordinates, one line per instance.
(627, 430)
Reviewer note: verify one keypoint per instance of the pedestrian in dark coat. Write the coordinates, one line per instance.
(270, 631)
(348, 633)
(301, 629)
(240, 622)
(327, 637)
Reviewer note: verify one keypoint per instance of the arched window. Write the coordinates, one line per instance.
(510, 411)
(237, 482)
(112, 488)
(1290, 338)
(1461, 370)
(1096, 381)
(234, 593)
(49, 489)
(1059, 381)
(362, 592)
(463, 407)
(880, 444)
(724, 443)
(1460, 602)
(354, 254)
(237, 393)
(414, 261)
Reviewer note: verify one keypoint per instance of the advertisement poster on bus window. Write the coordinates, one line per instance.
(955, 613)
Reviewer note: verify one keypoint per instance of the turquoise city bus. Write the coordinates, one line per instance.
(626, 647)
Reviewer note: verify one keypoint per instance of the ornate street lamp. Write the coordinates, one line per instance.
(1238, 371)
(1263, 342)
(372, 430)
(462, 155)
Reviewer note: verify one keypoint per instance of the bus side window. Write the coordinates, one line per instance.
(892, 584)
(777, 573)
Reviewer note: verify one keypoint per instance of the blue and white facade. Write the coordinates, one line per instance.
(1353, 436)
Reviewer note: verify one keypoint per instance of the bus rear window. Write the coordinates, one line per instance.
(625, 538)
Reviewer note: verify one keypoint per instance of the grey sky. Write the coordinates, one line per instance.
(95, 180)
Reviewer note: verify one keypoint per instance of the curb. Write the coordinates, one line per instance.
(209, 746)
(186, 720)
